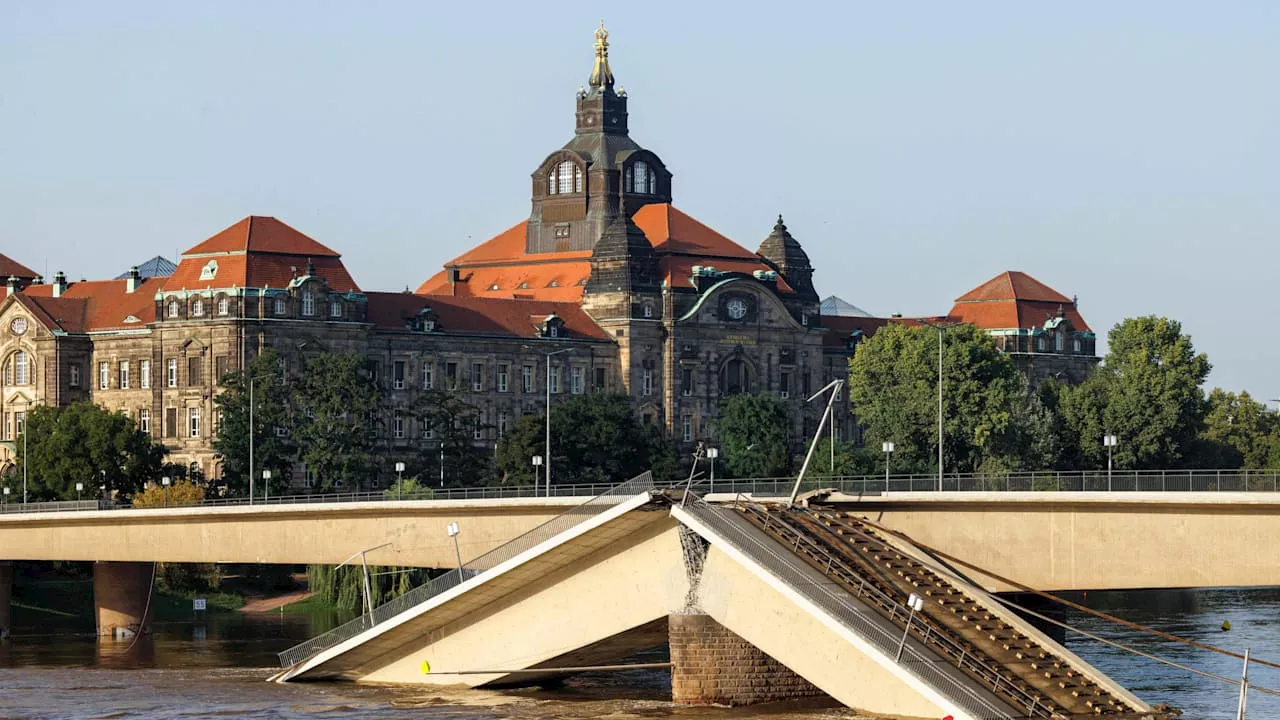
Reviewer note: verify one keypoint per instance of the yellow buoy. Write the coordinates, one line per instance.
(426, 668)
(1226, 624)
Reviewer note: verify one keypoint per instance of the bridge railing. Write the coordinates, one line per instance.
(559, 524)
(1039, 481)
(796, 574)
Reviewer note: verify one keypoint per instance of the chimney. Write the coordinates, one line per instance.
(132, 282)
(455, 276)
(59, 283)
(11, 286)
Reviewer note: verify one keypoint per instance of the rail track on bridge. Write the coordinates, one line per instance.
(954, 623)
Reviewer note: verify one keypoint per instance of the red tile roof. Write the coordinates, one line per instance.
(481, 316)
(12, 268)
(500, 267)
(90, 306)
(839, 327)
(1014, 300)
(257, 271)
(258, 234)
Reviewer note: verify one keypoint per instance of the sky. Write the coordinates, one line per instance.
(1127, 153)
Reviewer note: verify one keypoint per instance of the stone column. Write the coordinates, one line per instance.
(121, 597)
(712, 666)
(6, 594)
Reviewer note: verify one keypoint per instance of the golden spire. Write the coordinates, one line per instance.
(601, 75)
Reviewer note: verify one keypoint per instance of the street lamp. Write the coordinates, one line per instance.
(79, 489)
(834, 386)
(399, 480)
(368, 595)
(453, 533)
(266, 485)
(712, 454)
(547, 452)
(940, 328)
(6, 496)
(887, 447)
(165, 482)
(1110, 442)
(26, 459)
(537, 463)
(914, 604)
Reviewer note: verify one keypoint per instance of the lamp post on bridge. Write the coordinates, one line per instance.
(1110, 442)
(537, 463)
(252, 380)
(368, 595)
(163, 481)
(887, 447)
(399, 480)
(941, 328)
(712, 454)
(79, 489)
(453, 533)
(266, 485)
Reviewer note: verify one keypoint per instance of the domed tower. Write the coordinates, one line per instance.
(784, 254)
(581, 188)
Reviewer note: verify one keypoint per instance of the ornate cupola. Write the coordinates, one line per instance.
(624, 269)
(784, 254)
(579, 189)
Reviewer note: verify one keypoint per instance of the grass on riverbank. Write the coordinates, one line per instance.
(309, 606)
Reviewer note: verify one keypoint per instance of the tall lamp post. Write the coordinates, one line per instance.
(1110, 441)
(941, 328)
(712, 454)
(547, 451)
(252, 380)
(26, 459)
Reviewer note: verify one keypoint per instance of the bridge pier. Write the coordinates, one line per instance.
(710, 665)
(121, 597)
(6, 595)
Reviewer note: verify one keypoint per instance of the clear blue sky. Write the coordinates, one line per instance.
(1127, 152)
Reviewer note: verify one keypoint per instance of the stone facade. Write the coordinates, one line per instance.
(710, 665)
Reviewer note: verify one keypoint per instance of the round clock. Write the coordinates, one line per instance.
(18, 326)
(737, 308)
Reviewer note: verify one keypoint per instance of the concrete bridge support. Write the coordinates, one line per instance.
(122, 597)
(710, 665)
(6, 595)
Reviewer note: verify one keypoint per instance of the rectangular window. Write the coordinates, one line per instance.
(397, 426)
(398, 376)
(502, 377)
(279, 306)
(646, 383)
(144, 421)
(428, 432)
(171, 373)
(575, 380)
(308, 304)
(477, 430)
(686, 427)
(555, 381)
(221, 364)
(686, 382)
(806, 383)
(599, 386)
(144, 374)
(451, 375)
(504, 421)
(193, 421)
(104, 376)
(426, 375)
(335, 308)
(171, 422)
(784, 385)
(73, 373)
(526, 379)
(477, 377)
(224, 306)
(124, 374)
(20, 421)
(194, 371)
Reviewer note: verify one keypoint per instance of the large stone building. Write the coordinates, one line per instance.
(606, 281)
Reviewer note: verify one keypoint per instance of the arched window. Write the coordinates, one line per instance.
(735, 377)
(641, 171)
(577, 179)
(564, 178)
(18, 370)
(197, 308)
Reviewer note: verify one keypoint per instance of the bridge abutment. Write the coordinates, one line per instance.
(121, 597)
(711, 665)
(6, 595)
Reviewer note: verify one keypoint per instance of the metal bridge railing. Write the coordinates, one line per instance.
(797, 575)
(555, 526)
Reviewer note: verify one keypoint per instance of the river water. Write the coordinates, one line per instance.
(214, 668)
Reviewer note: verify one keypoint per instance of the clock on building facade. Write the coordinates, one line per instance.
(738, 308)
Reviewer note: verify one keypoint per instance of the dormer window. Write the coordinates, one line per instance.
(224, 305)
(564, 178)
(197, 308)
(173, 309)
(335, 308)
(308, 304)
(640, 178)
(279, 306)
(553, 326)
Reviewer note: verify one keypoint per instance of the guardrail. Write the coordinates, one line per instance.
(1048, 481)
(791, 570)
(562, 522)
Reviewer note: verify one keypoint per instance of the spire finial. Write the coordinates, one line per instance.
(601, 75)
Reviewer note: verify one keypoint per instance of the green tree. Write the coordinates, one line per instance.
(452, 422)
(1238, 432)
(992, 422)
(755, 437)
(272, 450)
(595, 438)
(337, 400)
(1146, 393)
(85, 443)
